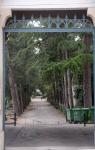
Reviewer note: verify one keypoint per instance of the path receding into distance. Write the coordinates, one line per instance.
(42, 127)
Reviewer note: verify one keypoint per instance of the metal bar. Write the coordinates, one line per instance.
(15, 119)
(83, 30)
(4, 55)
(48, 30)
(94, 77)
(4, 58)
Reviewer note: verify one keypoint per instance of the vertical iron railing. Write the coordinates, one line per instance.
(78, 25)
(94, 77)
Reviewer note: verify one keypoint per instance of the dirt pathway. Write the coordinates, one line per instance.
(40, 112)
(43, 127)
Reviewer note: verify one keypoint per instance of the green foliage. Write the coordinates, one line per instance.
(41, 59)
(79, 95)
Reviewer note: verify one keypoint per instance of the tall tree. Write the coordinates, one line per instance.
(87, 73)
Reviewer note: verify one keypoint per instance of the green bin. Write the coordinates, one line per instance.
(77, 114)
(84, 115)
(69, 115)
(91, 114)
(80, 115)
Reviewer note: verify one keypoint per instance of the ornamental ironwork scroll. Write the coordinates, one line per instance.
(49, 22)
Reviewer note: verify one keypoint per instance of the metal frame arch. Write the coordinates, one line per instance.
(74, 24)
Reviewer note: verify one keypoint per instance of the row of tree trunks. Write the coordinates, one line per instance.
(63, 86)
(68, 85)
(63, 90)
(19, 99)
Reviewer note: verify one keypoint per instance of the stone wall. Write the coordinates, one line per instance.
(44, 4)
(5, 13)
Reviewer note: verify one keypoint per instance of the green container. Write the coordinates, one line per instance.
(84, 114)
(80, 115)
(69, 115)
(77, 114)
(91, 114)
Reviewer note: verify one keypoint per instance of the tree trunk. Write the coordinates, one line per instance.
(70, 94)
(87, 74)
(62, 90)
(68, 84)
(17, 98)
(13, 91)
(21, 98)
(66, 90)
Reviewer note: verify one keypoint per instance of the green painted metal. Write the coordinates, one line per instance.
(94, 77)
(49, 30)
(53, 24)
(49, 22)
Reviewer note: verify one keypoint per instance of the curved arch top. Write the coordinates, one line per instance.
(91, 14)
(49, 20)
(4, 15)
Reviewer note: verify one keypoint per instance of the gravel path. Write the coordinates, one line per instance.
(42, 127)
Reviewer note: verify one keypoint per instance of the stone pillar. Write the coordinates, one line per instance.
(4, 14)
(1, 91)
(91, 14)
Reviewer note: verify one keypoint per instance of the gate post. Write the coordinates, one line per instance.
(4, 15)
(94, 77)
(91, 14)
(1, 92)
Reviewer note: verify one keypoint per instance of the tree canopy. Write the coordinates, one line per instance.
(51, 62)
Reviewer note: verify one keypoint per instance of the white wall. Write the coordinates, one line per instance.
(16, 4)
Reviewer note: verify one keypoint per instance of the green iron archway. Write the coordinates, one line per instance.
(52, 22)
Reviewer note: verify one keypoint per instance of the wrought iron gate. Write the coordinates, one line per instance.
(53, 24)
